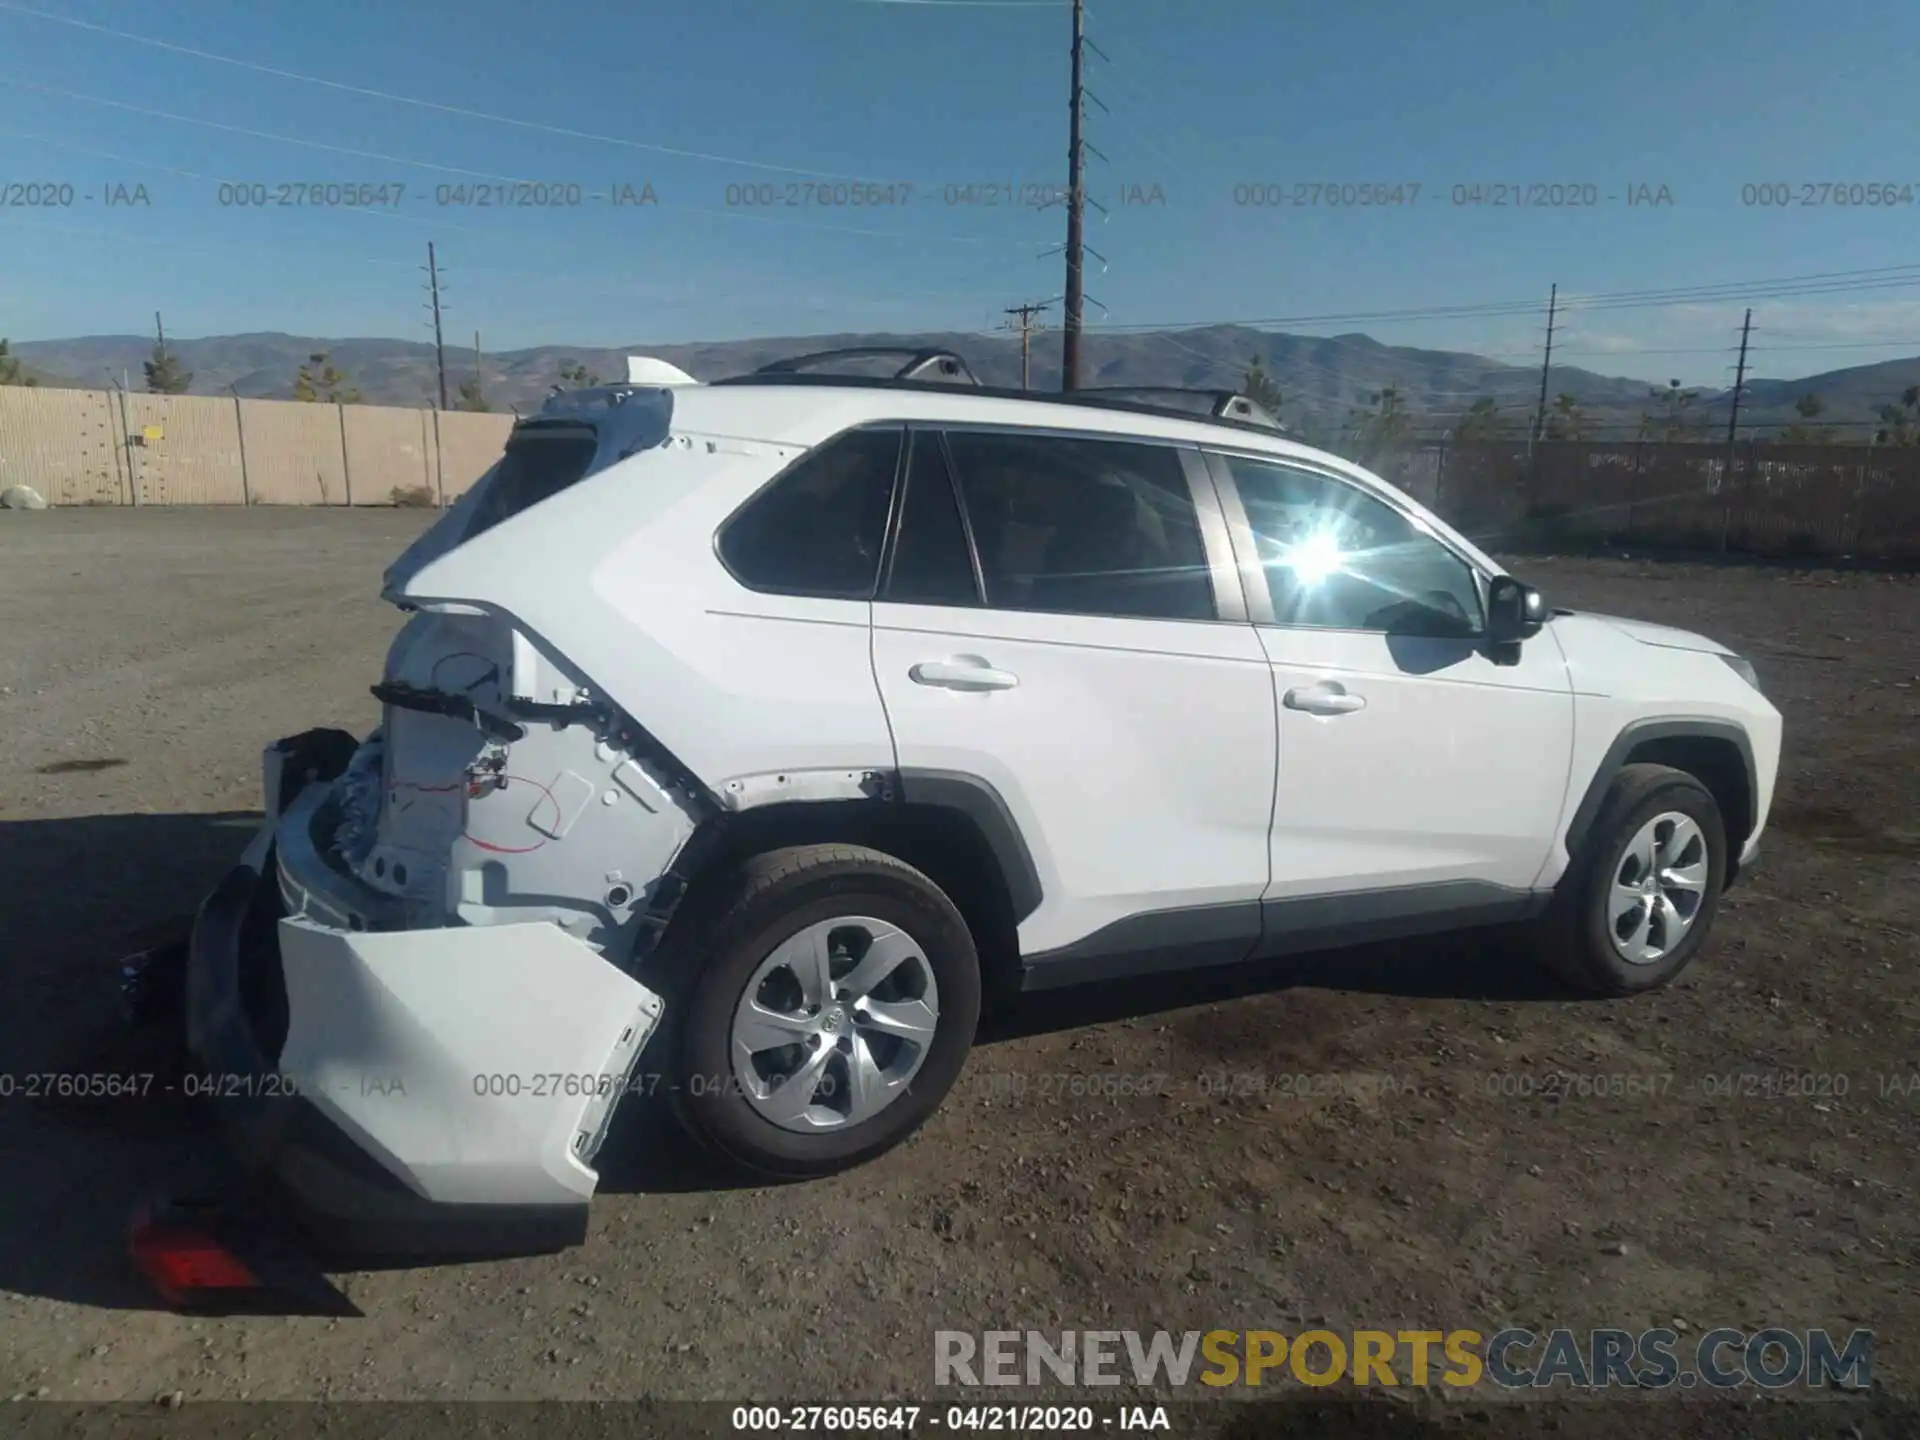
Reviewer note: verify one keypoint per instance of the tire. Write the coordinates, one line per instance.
(849, 895)
(1579, 938)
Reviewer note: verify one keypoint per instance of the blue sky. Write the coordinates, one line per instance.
(1200, 98)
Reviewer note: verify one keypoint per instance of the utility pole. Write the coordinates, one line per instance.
(160, 334)
(1076, 212)
(1026, 327)
(1540, 415)
(439, 349)
(1739, 379)
(479, 386)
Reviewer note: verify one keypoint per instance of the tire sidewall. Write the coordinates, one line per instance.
(1688, 797)
(710, 1096)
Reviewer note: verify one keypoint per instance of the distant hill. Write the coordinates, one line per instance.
(1319, 376)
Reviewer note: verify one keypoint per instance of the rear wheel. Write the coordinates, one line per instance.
(1635, 906)
(832, 1007)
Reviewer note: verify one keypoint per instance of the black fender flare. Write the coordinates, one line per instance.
(1638, 732)
(983, 805)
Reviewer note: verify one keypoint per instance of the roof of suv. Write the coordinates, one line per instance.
(795, 411)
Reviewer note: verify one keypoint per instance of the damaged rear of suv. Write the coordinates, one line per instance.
(430, 979)
(410, 979)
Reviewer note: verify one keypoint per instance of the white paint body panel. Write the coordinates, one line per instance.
(619, 574)
(394, 1037)
(1137, 756)
(1454, 770)
(1619, 679)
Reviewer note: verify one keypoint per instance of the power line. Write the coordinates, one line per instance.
(1786, 286)
(357, 154)
(413, 100)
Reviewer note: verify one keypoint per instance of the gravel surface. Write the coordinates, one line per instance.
(1387, 1149)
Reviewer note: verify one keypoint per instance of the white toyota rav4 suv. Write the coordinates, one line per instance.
(771, 724)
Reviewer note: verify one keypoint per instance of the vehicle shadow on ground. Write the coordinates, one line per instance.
(80, 893)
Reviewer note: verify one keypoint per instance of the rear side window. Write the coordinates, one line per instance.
(1088, 527)
(536, 467)
(931, 562)
(819, 528)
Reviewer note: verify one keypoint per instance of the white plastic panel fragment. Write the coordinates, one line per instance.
(650, 370)
(478, 1064)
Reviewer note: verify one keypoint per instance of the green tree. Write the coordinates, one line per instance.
(1804, 431)
(576, 376)
(1482, 423)
(12, 372)
(1376, 432)
(1673, 417)
(164, 375)
(1900, 423)
(319, 383)
(472, 397)
(1259, 386)
(1566, 420)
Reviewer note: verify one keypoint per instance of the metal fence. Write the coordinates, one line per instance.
(113, 447)
(1752, 498)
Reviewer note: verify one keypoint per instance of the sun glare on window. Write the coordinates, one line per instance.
(1316, 558)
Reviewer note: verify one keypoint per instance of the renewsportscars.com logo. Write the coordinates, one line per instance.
(1514, 1359)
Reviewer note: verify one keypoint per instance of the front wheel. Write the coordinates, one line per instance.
(1635, 905)
(832, 1009)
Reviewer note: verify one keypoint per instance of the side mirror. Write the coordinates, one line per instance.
(1515, 612)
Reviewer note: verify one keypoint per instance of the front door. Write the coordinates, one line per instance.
(1416, 766)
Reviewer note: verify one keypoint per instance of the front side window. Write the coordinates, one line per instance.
(1337, 558)
(1088, 527)
(819, 528)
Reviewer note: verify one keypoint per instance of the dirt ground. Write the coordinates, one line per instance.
(1380, 1154)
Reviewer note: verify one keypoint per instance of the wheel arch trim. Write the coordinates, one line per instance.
(987, 809)
(1639, 732)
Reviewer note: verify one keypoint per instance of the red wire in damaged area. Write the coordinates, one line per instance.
(470, 839)
(516, 849)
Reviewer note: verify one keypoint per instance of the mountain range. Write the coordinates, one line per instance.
(1320, 377)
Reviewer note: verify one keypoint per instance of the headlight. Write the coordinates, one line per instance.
(1743, 668)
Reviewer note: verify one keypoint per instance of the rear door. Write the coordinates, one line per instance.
(1060, 620)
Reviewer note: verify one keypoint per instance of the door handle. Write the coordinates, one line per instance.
(962, 672)
(1329, 697)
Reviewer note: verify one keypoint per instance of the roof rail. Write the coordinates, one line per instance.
(1221, 404)
(921, 364)
(935, 370)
